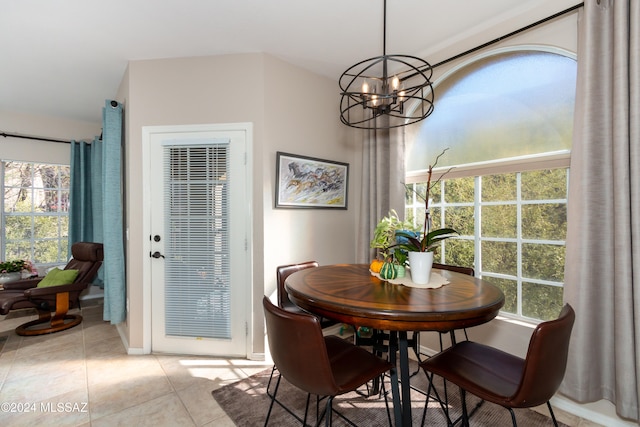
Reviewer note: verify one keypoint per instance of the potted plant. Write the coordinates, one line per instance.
(385, 240)
(10, 271)
(420, 246)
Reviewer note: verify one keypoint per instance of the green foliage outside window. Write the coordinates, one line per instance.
(35, 212)
(520, 241)
(512, 225)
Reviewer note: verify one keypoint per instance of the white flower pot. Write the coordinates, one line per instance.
(10, 277)
(420, 264)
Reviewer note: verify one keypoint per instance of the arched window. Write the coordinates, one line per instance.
(505, 120)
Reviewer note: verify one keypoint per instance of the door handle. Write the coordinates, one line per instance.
(156, 254)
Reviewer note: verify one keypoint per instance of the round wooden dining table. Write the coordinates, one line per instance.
(349, 293)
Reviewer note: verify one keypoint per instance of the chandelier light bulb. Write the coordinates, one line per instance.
(395, 83)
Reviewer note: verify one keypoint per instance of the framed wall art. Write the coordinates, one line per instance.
(307, 182)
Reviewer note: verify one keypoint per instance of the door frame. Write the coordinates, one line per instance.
(147, 132)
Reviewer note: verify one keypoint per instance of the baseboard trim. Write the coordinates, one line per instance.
(583, 411)
(133, 351)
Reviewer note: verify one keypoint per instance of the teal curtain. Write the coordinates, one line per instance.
(85, 213)
(96, 206)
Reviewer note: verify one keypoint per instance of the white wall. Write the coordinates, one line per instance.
(46, 127)
(301, 117)
(252, 88)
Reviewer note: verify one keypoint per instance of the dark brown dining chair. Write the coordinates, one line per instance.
(324, 366)
(414, 342)
(505, 379)
(284, 271)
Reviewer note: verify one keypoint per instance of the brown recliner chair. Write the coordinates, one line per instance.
(54, 302)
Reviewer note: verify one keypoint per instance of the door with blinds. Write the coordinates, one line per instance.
(198, 242)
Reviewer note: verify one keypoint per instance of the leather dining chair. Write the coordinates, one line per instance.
(284, 271)
(324, 366)
(505, 379)
(415, 340)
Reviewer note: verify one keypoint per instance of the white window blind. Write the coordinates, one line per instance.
(197, 264)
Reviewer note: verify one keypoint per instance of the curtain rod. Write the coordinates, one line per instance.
(37, 138)
(513, 33)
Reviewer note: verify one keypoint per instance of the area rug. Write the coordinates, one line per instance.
(247, 403)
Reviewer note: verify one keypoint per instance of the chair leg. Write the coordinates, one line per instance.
(273, 400)
(386, 401)
(273, 371)
(513, 417)
(553, 417)
(443, 404)
(328, 412)
(465, 416)
(306, 410)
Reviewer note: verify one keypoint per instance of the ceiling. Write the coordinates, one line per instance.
(65, 57)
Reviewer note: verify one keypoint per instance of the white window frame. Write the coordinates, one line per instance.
(3, 215)
(550, 160)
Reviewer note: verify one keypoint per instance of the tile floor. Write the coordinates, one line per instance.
(83, 377)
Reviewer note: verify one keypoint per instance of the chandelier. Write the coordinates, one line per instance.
(397, 87)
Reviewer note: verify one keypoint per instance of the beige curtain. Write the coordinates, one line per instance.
(602, 274)
(382, 184)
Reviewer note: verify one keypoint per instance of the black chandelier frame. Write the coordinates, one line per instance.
(375, 88)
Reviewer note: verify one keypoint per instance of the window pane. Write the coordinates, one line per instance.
(459, 190)
(510, 290)
(39, 200)
(64, 228)
(459, 252)
(435, 195)
(50, 201)
(64, 201)
(65, 176)
(541, 301)
(500, 257)
(36, 200)
(17, 174)
(17, 228)
(46, 252)
(499, 221)
(21, 202)
(546, 184)
(460, 218)
(46, 227)
(544, 222)
(46, 176)
(511, 104)
(18, 250)
(499, 188)
(408, 194)
(544, 262)
(435, 217)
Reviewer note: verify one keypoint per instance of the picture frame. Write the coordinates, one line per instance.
(304, 182)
